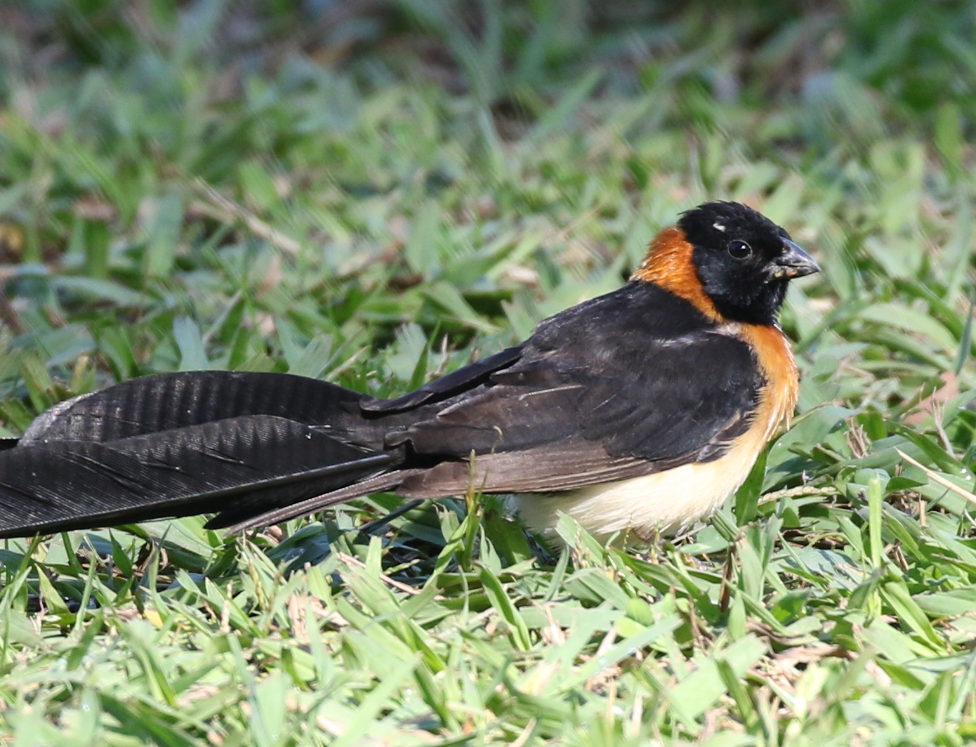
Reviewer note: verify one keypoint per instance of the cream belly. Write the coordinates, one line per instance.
(666, 502)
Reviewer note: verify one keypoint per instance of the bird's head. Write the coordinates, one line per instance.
(732, 262)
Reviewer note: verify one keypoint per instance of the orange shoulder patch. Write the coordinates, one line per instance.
(668, 264)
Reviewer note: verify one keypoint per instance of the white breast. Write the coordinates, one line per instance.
(667, 502)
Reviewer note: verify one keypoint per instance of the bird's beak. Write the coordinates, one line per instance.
(792, 263)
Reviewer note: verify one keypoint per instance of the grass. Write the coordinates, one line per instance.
(372, 194)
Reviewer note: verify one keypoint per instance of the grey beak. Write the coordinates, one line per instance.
(792, 263)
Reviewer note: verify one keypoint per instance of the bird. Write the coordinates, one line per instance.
(638, 413)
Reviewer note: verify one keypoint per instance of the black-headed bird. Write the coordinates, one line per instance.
(638, 412)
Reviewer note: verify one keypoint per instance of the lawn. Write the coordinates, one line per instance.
(375, 192)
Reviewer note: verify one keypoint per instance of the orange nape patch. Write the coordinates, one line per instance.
(668, 264)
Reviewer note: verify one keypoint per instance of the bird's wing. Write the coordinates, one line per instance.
(614, 395)
(459, 381)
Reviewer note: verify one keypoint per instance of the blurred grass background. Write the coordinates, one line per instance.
(375, 191)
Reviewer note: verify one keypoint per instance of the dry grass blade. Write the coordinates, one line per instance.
(937, 478)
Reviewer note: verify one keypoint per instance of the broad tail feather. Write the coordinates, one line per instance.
(236, 444)
(153, 404)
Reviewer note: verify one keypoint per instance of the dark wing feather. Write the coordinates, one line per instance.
(496, 418)
(437, 390)
(560, 466)
(242, 464)
(677, 402)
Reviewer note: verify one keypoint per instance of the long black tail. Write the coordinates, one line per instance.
(238, 444)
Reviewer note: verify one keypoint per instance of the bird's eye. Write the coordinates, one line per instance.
(739, 249)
